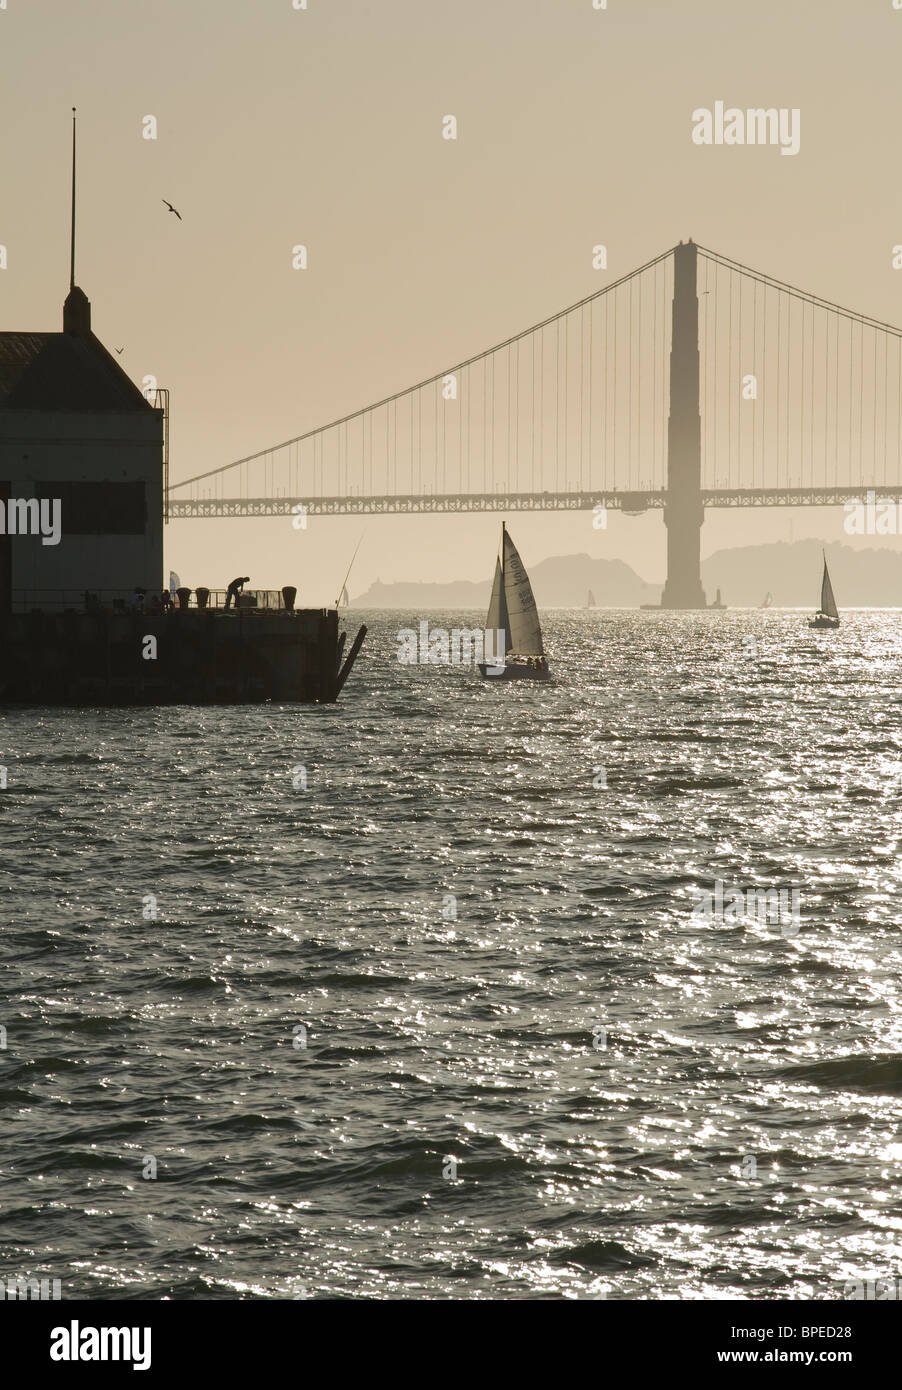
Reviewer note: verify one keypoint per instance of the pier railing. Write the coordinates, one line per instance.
(124, 600)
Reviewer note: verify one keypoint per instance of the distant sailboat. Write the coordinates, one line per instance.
(828, 615)
(768, 599)
(590, 601)
(718, 602)
(344, 601)
(512, 611)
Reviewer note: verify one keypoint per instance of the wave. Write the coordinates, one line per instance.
(882, 1074)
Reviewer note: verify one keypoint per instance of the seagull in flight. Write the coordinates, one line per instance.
(120, 351)
(172, 209)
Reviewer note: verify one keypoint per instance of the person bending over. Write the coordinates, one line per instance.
(234, 590)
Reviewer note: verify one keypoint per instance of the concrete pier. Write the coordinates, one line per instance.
(196, 656)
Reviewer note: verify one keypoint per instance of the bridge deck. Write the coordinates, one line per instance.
(630, 502)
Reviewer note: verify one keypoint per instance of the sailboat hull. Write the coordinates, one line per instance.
(824, 622)
(513, 671)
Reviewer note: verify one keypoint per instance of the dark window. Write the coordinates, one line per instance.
(99, 509)
(6, 560)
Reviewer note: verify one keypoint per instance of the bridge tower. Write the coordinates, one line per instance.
(683, 510)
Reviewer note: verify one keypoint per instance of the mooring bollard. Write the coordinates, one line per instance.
(183, 596)
(289, 594)
(203, 597)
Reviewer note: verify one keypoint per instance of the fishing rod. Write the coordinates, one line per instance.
(350, 567)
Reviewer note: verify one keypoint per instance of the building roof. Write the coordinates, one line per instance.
(63, 371)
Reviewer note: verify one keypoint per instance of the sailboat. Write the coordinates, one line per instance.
(344, 601)
(768, 599)
(828, 616)
(512, 611)
(590, 601)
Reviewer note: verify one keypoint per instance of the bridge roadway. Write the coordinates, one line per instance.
(633, 503)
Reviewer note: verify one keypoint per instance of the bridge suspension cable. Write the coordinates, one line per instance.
(800, 400)
(797, 392)
(540, 386)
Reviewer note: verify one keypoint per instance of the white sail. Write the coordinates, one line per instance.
(522, 614)
(345, 600)
(828, 602)
(497, 619)
(590, 601)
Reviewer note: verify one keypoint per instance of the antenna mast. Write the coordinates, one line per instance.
(72, 241)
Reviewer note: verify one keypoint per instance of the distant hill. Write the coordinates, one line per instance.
(791, 571)
(563, 581)
(458, 594)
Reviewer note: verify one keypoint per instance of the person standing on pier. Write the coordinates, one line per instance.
(234, 590)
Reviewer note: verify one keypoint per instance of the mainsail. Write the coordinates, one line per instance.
(590, 601)
(828, 602)
(525, 632)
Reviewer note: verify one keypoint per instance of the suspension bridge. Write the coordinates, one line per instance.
(692, 382)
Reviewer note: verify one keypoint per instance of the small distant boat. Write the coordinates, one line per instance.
(768, 599)
(718, 603)
(512, 610)
(590, 601)
(828, 615)
(344, 601)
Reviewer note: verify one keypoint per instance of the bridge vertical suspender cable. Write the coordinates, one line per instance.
(637, 480)
(590, 468)
(756, 371)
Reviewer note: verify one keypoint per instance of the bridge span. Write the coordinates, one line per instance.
(691, 382)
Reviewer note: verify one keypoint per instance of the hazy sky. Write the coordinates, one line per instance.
(278, 126)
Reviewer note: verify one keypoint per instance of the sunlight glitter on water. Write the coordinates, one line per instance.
(451, 910)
